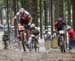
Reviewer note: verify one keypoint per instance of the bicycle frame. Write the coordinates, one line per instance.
(24, 36)
(35, 43)
(62, 45)
(22, 39)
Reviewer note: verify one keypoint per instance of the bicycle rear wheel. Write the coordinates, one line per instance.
(36, 47)
(62, 46)
(23, 43)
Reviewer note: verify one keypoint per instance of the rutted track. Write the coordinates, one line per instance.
(11, 55)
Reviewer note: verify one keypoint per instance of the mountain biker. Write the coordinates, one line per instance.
(59, 25)
(34, 30)
(34, 33)
(25, 19)
(71, 34)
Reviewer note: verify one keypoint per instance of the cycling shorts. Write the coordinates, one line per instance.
(24, 23)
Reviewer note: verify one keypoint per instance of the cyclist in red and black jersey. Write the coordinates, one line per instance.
(24, 22)
(24, 18)
(59, 25)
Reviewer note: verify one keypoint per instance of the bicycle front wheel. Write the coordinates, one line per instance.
(62, 46)
(23, 43)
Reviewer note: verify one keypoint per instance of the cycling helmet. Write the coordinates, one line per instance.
(36, 28)
(32, 35)
(60, 19)
(32, 25)
(22, 10)
(46, 31)
(49, 33)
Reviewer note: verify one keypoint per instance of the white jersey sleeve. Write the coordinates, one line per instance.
(17, 14)
(27, 13)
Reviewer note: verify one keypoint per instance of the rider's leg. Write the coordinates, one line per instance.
(58, 40)
(18, 36)
(73, 43)
(70, 44)
(58, 37)
(25, 23)
(65, 40)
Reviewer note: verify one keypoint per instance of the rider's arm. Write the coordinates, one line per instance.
(29, 16)
(16, 16)
(55, 25)
(30, 19)
(65, 24)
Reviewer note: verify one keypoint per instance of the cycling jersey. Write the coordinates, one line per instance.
(24, 19)
(25, 16)
(59, 25)
(34, 31)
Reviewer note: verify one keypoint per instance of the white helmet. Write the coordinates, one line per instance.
(46, 30)
(69, 27)
(36, 28)
(32, 35)
(49, 33)
(32, 25)
(22, 10)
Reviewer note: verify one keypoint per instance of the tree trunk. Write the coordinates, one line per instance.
(61, 8)
(69, 12)
(31, 6)
(56, 9)
(34, 11)
(15, 22)
(73, 3)
(45, 16)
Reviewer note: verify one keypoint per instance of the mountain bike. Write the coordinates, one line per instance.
(24, 35)
(23, 40)
(61, 38)
(34, 43)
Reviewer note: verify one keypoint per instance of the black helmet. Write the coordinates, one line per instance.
(60, 19)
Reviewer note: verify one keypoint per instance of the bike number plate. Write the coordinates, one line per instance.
(61, 32)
